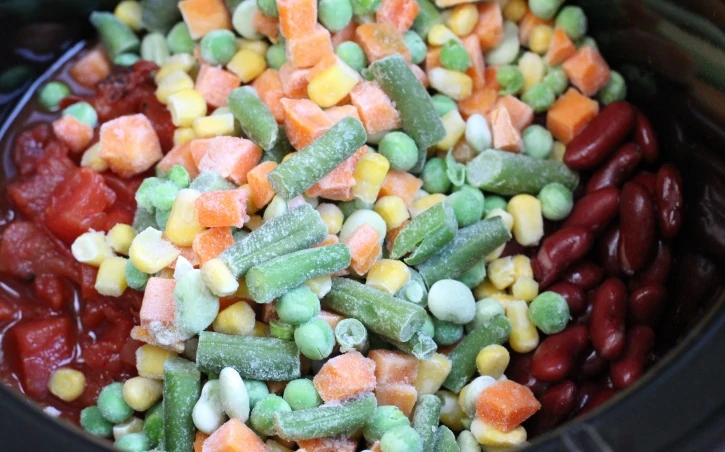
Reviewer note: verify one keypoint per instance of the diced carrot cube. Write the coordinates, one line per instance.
(419, 74)
(432, 58)
(394, 367)
(91, 68)
(294, 81)
(187, 253)
(489, 28)
(527, 25)
(331, 239)
(198, 148)
(401, 395)
(364, 248)
(506, 405)
(308, 49)
(297, 18)
(379, 40)
(560, 48)
(345, 376)
(522, 115)
(304, 121)
(269, 89)
(129, 145)
(216, 209)
(230, 157)
(340, 444)
(142, 334)
(199, 439)
(234, 436)
(402, 184)
(337, 184)
(262, 191)
(505, 135)
(215, 84)
(392, 234)
(491, 80)
(477, 71)
(158, 305)
(570, 114)
(75, 134)
(180, 155)
(212, 242)
(203, 16)
(480, 102)
(268, 26)
(346, 34)
(337, 113)
(332, 318)
(377, 112)
(587, 70)
(400, 13)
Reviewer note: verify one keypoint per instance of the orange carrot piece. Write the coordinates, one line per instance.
(401, 395)
(262, 191)
(379, 40)
(570, 114)
(199, 440)
(91, 68)
(158, 305)
(522, 115)
(346, 34)
(304, 121)
(269, 88)
(340, 444)
(400, 13)
(432, 58)
(268, 26)
(377, 112)
(210, 243)
(505, 135)
(203, 16)
(345, 376)
(331, 239)
(179, 155)
(297, 17)
(217, 209)
(142, 334)
(393, 367)
(198, 147)
(419, 74)
(560, 48)
(214, 84)
(75, 134)
(230, 157)
(491, 81)
(506, 405)
(234, 436)
(187, 253)
(481, 102)
(489, 28)
(308, 49)
(400, 183)
(477, 71)
(129, 145)
(364, 248)
(587, 70)
(331, 318)
(294, 81)
(392, 234)
(527, 25)
(337, 113)
(337, 184)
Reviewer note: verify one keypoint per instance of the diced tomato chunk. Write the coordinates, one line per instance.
(160, 119)
(31, 195)
(50, 289)
(7, 310)
(29, 147)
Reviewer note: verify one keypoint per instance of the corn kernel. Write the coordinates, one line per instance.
(218, 278)
(393, 210)
(141, 393)
(541, 38)
(515, 10)
(173, 83)
(533, 69)
(508, 220)
(501, 272)
(525, 288)
(276, 208)
(503, 299)
(150, 361)
(111, 277)
(274, 446)
(455, 128)
(214, 126)
(288, 156)
(557, 153)
(495, 254)
(493, 360)
(452, 416)
(492, 437)
(131, 425)
(91, 248)
(260, 330)
(463, 19)
(67, 384)
(179, 62)
(388, 275)
(453, 84)
(183, 135)
(185, 106)
(439, 34)
(470, 393)
(251, 207)
(92, 159)
(332, 216)
(183, 224)
(524, 335)
(485, 290)
(522, 266)
(149, 252)
(129, 12)
(120, 237)
(247, 65)
(320, 285)
(331, 85)
(432, 372)
(255, 222)
(528, 220)
(421, 205)
(369, 175)
(236, 319)
(257, 46)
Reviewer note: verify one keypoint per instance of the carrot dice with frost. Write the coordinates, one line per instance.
(268, 26)
(129, 144)
(337, 113)
(402, 184)
(570, 114)
(215, 209)
(212, 242)
(262, 191)
(308, 49)
(364, 247)
(506, 405)
(491, 81)
(489, 28)
(179, 155)
(304, 121)
(234, 436)
(203, 16)
(91, 68)
(394, 367)
(560, 48)
(297, 17)
(214, 84)
(433, 58)
(480, 102)
(158, 307)
(379, 40)
(331, 318)
(522, 115)
(587, 70)
(400, 13)
(338, 184)
(339, 444)
(527, 25)
(345, 376)
(403, 396)
(477, 70)
(199, 439)
(505, 135)
(230, 157)
(294, 81)
(376, 110)
(270, 91)
(75, 134)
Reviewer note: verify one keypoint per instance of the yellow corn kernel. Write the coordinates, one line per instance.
(67, 384)
(131, 425)
(508, 220)
(495, 254)
(274, 446)
(243, 290)
(515, 10)
(256, 46)
(92, 159)
(463, 19)
(173, 83)
(503, 299)
(426, 202)
(453, 84)
(214, 126)
(185, 106)
(236, 319)
(432, 372)
(183, 135)
(140, 393)
(525, 288)
(129, 12)
(260, 330)
(369, 175)
(455, 128)
(533, 69)
(255, 222)
(388, 275)
(528, 221)
(524, 336)
(492, 360)
(111, 277)
(501, 272)
(469, 394)
(150, 361)
(557, 153)
(485, 290)
(276, 208)
(331, 85)
(439, 34)
(288, 156)
(541, 38)
(251, 207)
(183, 224)
(179, 62)
(489, 436)
(149, 252)
(91, 248)
(120, 237)
(393, 210)
(452, 416)
(247, 65)
(320, 285)
(522, 266)
(332, 216)
(218, 278)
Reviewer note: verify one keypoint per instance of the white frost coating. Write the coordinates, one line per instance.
(208, 414)
(233, 394)
(242, 20)
(183, 266)
(478, 134)
(359, 217)
(296, 202)
(508, 219)
(508, 49)
(474, 390)
(133, 425)
(452, 301)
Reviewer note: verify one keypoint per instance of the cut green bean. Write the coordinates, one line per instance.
(326, 420)
(281, 330)
(154, 48)
(401, 438)
(351, 335)
(292, 177)
(179, 40)
(386, 417)
(414, 290)
(160, 15)
(508, 173)
(182, 387)
(428, 16)
(425, 419)
(153, 424)
(463, 356)
(421, 345)
(256, 120)
(445, 440)
(426, 234)
(280, 149)
(258, 358)
(116, 36)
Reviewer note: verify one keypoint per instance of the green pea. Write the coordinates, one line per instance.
(443, 104)
(268, 8)
(550, 312)
(15, 77)
(401, 438)
(414, 290)
(446, 333)
(385, 418)
(435, 178)
(467, 204)
(218, 46)
(315, 339)
(112, 405)
(82, 111)
(52, 93)
(545, 9)
(556, 79)
(298, 306)
(511, 80)
(126, 59)
(363, 7)
(276, 55)
(133, 442)
(146, 191)
(144, 218)
(454, 56)
(494, 202)
(179, 39)
(179, 176)
(416, 46)
(135, 278)
(94, 423)
(538, 142)
(262, 416)
(301, 394)
(474, 275)
(556, 201)
(334, 14)
(616, 89)
(164, 195)
(400, 150)
(256, 390)
(573, 21)
(486, 309)
(539, 97)
(352, 54)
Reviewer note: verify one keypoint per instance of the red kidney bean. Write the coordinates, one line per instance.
(573, 294)
(648, 181)
(658, 270)
(630, 367)
(646, 304)
(558, 251)
(637, 235)
(645, 137)
(557, 402)
(585, 274)
(555, 356)
(519, 370)
(617, 170)
(590, 365)
(585, 317)
(597, 399)
(608, 315)
(598, 139)
(584, 392)
(594, 210)
(669, 197)
(607, 251)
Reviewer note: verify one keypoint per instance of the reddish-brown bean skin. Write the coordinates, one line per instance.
(617, 169)
(648, 180)
(519, 370)
(555, 356)
(595, 210)
(557, 403)
(670, 201)
(646, 304)
(590, 365)
(558, 251)
(585, 274)
(584, 392)
(607, 324)
(597, 399)
(658, 270)
(608, 251)
(645, 137)
(630, 367)
(637, 230)
(573, 294)
(598, 139)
